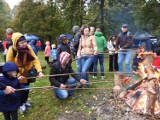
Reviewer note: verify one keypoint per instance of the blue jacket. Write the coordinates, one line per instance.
(9, 102)
(53, 54)
(32, 44)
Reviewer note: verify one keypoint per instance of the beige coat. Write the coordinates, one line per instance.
(87, 46)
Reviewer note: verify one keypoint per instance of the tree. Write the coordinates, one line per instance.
(4, 17)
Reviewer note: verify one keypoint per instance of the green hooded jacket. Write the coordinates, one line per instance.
(101, 42)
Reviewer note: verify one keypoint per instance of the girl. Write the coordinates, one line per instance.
(47, 51)
(24, 57)
(86, 51)
(113, 57)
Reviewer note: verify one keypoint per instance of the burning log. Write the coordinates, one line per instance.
(144, 96)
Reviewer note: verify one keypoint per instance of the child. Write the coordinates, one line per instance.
(53, 53)
(47, 51)
(113, 57)
(63, 46)
(9, 103)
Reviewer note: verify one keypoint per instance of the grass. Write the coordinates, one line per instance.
(47, 107)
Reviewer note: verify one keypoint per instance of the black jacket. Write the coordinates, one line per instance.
(124, 40)
(2, 86)
(61, 48)
(77, 37)
(62, 79)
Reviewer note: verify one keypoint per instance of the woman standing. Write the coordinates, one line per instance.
(86, 51)
(113, 57)
(24, 57)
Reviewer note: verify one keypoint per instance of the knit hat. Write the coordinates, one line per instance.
(9, 31)
(75, 29)
(21, 39)
(64, 58)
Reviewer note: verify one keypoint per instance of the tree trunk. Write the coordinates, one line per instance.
(102, 16)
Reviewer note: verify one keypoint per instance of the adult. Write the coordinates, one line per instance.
(101, 45)
(113, 57)
(7, 41)
(23, 56)
(77, 36)
(124, 47)
(86, 51)
(62, 66)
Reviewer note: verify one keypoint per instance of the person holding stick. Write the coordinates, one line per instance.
(63, 66)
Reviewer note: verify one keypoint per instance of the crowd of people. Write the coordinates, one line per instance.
(88, 47)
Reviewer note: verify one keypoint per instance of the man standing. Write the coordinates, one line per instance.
(124, 46)
(7, 42)
(75, 44)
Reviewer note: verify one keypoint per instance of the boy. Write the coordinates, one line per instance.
(63, 46)
(53, 53)
(9, 103)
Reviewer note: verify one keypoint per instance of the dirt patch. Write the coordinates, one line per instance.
(102, 106)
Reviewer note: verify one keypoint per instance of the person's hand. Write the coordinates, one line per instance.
(83, 81)
(40, 75)
(9, 90)
(21, 78)
(62, 86)
(78, 57)
(116, 52)
(95, 52)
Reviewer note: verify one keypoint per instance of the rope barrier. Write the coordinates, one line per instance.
(79, 73)
(67, 87)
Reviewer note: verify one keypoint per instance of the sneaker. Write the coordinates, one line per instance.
(28, 105)
(23, 108)
(102, 77)
(94, 77)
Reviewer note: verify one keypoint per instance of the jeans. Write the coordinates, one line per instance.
(86, 62)
(63, 94)
(12, 115)
(127, 55)
(79, 66)
(101, 61)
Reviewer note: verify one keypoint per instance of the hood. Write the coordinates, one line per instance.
(75, 29)
(98, 34)
(15, 37)
(9, 66)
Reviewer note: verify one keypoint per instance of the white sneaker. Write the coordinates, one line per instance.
(102, 77)
(94, 77)
(28, 105)
(23, 108)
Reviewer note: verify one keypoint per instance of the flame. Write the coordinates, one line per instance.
(137, 98)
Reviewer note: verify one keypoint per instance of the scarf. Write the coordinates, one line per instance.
(22, 52)
(64, 59)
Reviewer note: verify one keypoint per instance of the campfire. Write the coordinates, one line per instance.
(143, 96)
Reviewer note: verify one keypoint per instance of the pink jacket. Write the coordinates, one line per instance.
(47, 49)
